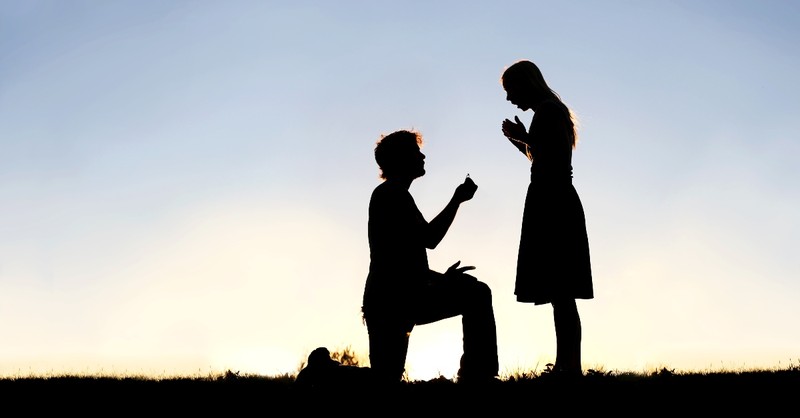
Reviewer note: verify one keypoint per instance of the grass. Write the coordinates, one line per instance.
(597, 389)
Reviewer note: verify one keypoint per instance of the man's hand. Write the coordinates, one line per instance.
(466, 190)
(456, 272)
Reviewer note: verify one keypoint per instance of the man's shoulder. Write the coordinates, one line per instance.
(387, 189)
(390, 198)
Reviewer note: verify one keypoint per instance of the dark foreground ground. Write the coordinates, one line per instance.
(764, 393)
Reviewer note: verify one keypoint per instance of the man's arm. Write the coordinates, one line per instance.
(438, 227)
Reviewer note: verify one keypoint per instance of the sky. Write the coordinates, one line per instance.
(184, 185)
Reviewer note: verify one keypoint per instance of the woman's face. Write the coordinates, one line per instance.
(516, 95)
(512, 97)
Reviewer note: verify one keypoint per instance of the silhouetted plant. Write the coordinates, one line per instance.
(548, 368)
(519, 376)
(229, 375)
(664, 372)
(346, 356)
(595, 373)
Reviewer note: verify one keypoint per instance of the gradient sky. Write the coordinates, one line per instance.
(184, 184)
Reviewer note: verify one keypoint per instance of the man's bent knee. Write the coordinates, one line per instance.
(481, 292)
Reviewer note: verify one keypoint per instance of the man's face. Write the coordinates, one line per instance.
(416, 162)
(406, 162)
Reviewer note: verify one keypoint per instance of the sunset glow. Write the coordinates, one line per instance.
(184, 185)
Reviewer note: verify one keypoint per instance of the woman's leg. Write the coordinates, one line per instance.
(568, 336)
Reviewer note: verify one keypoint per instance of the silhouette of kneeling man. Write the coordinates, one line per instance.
(401, 290)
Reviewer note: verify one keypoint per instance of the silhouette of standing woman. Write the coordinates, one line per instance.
(553, 263)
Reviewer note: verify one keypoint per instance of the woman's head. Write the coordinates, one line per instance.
(525, 85)
(398, 155)
(526, 88)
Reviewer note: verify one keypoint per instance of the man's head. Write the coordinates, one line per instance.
(398, 155)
